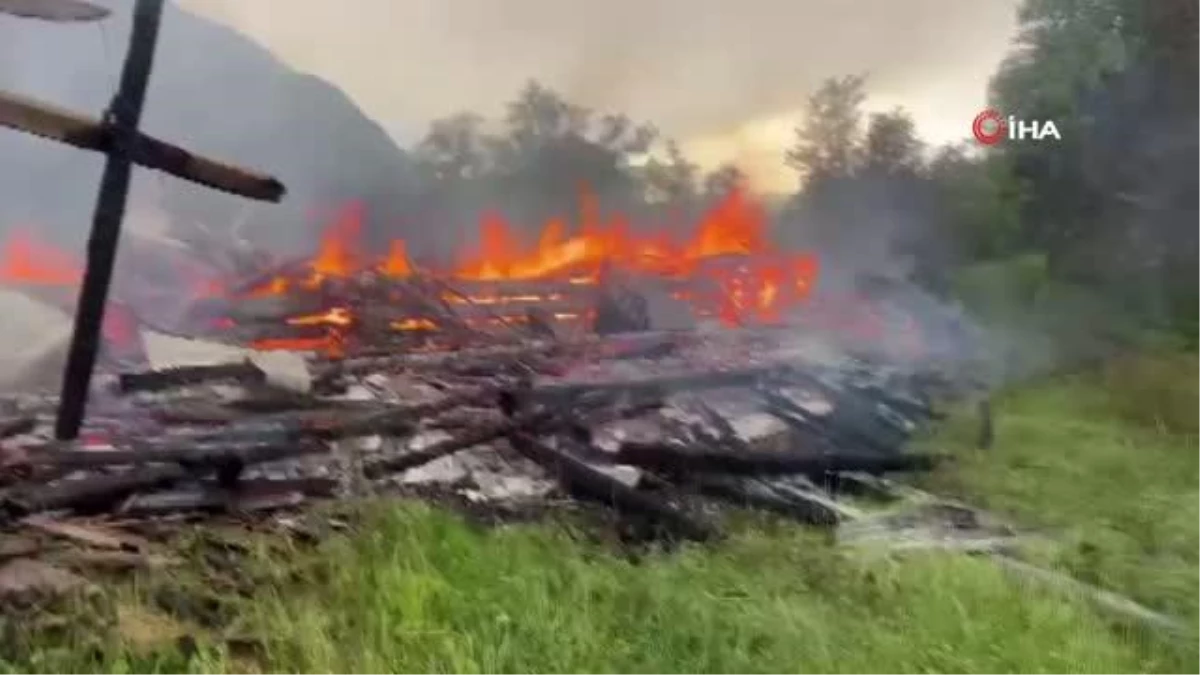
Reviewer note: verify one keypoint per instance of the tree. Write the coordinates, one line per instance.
(979, 204)
(547, 153)
(1065, 48)
(454, 149)
(827, 141)
(723, 180)
(892, 146)
(672, 179)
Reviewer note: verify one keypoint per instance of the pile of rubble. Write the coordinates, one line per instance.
(661, 429)
(656, 425)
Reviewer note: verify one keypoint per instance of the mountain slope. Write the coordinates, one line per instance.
(213, 91)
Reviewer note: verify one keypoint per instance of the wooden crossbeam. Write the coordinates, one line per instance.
(57, 124)
(60, 11)
(118, 138)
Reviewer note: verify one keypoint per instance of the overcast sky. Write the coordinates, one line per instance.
(727, 77)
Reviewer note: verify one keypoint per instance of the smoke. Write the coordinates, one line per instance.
(700, 69)
(211, 91)
(726, 77)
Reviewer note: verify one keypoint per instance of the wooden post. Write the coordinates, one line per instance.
(125, 113)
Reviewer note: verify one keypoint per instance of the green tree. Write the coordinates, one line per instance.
(553, 149)
(827, 141)
(892, 146)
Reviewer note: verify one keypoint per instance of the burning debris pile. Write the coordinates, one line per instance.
(652, 424)
(343, 301)
(514, 375)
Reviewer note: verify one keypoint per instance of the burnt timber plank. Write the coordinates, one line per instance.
(58, 11)
(61, 125)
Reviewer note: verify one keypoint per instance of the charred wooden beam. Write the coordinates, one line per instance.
(469, 439)
(390, 421)
(542, 421)
(91, 493)
(56, 124)
(166, 378)
(354, 366)
(59, 11)
(247, 496)
(807, 506)
(126, 113)
(665, 384)
(683, 459)
(206, 454)
(584, 481)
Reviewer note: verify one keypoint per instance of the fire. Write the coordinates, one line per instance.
(734, 226)
(338, 316)
(396, 265)
(338, 255)
(413, 324)
(761, 283)
(725, 266)
(24, 260)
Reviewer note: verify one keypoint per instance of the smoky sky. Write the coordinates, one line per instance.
(695, 68)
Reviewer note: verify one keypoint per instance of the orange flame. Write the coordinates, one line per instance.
(24, 260)
(734, 226)
(339, 254)
(396, 265)
(763, 284)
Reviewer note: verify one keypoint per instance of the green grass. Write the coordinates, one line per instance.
(1106, 462)
(420, 589)
(424, 592)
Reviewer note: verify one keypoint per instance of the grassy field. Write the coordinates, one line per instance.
(1104, 463)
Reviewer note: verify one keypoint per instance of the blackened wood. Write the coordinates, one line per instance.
(61, 11)
(835, 430)
(585, 481)
(199, 454)
(543, 421)
(664, 384)
(392, 421)
(15, 426)
(811, 508)
(92, 493)
(246, 496)
(56, 124)
(357, 366)
(126, 113)
(166, 378)
(620, 310)
(540, 323)
(469, 439)
(680, 459)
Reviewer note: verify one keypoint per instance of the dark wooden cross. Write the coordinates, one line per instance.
(117, 136)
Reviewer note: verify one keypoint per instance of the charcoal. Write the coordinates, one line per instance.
(621, 311)
(99, 492)
(681, 459)
(585, 481)
(807, 506)
(157, 380)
